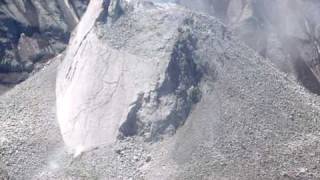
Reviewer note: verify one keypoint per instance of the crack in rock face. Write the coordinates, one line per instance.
(105, 93)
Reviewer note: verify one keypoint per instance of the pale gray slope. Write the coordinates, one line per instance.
(251, 124)
(29, 130)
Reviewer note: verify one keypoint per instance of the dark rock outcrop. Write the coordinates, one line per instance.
(33, 31)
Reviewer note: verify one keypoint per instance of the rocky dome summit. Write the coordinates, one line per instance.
(168, 90)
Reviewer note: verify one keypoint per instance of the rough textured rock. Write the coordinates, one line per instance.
(34, 31)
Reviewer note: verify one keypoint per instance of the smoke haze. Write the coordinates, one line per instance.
(285, 31)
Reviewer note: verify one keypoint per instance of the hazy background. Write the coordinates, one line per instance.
(285, 31)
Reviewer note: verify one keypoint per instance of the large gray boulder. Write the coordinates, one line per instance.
(149, 92)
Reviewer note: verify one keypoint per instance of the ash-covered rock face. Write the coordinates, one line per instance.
(34, 31)
(163, 110)
(148, 90)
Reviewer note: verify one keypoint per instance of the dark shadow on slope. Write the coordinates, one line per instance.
(183, 77)
(306, 77)
(131, 126)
